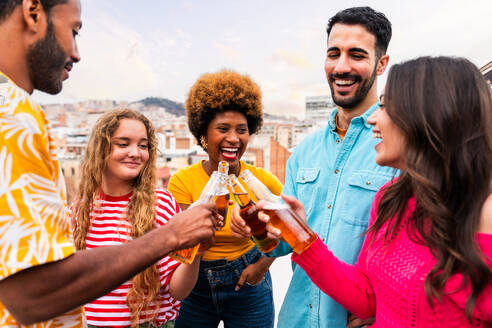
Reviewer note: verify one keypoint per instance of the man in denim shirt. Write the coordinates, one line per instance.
(333, 172)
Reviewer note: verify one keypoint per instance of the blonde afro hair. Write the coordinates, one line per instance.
(219, 92)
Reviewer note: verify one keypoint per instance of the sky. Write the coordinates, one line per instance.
(136, 49)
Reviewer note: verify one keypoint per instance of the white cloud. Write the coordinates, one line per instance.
(227, 51)
(130, 51)
(232, 37)
(116, 61)
(292, 59)
(285, 108)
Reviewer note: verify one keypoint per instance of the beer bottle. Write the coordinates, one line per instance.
(249, 213)
(294, 230)
(222, 197)
(207, 195)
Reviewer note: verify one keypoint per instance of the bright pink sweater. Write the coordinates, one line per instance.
(388, 282)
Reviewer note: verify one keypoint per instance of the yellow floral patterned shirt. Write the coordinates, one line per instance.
(34, 227)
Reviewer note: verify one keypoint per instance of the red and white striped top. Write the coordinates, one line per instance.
(108, 227)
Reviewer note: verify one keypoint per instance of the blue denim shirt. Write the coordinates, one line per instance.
(336, 181)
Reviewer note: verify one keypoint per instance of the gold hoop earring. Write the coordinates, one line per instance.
(203, 142)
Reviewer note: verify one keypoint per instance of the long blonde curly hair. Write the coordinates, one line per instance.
(144, 294)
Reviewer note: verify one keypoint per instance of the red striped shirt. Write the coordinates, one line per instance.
(109, 227)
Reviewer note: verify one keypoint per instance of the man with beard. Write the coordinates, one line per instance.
(42, 280)
(333, 172)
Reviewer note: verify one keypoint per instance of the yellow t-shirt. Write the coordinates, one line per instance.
(34, 226)
(186, 186)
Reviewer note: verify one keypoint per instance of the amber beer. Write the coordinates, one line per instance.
(249, 213)
(185, 256)
(294, 230)
(207, 195)
(222, 202)
(222, 199)
(216, 190)
(258, 228)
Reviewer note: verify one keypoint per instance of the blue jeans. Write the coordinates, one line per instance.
(214, 299)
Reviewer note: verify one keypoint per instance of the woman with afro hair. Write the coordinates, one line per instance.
(234, 285)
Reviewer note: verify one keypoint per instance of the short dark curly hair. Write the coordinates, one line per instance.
(374, 22)
(219, 92)
(7, 6)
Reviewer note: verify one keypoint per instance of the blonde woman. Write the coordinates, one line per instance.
(118, 201)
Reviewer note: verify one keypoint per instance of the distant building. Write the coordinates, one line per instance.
(163, 175)
(278, 159)
(284, 135)
(75, 144)
(254, 156)
(71, 173)
(92, 118)
(177, 147)
(302, 130)
(262, 138)
(319, 108)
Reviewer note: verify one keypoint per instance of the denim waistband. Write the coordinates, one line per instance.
(252, 256)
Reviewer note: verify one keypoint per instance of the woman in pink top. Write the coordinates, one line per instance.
(427, 257)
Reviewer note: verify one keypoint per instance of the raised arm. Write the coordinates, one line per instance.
(184, 279)
(347, 284)
(45, 291)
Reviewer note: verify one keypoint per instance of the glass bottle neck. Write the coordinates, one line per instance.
(210, 190)
(258, 188)
(223, 167)
(239, 192)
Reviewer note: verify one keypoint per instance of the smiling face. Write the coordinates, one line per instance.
(351, 66)
(129, 153)
(227, 138)
(51, 58)
(390, 151)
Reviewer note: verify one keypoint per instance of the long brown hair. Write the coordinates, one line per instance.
(443, 106)
(144, 294)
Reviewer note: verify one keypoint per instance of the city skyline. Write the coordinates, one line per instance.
(133, 50)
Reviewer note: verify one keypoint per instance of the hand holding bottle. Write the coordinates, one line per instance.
(239, 228)
(295, 205)
(249, 213)
(205, 245)
(194, 225)
(215, 191)
(295, 230)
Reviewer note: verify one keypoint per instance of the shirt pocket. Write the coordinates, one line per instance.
(307, 186)
(307, 175)
(359, 195)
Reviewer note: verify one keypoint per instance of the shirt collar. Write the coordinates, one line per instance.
(364, 117)
(3, 78)
(368, 113)
(331, 121)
